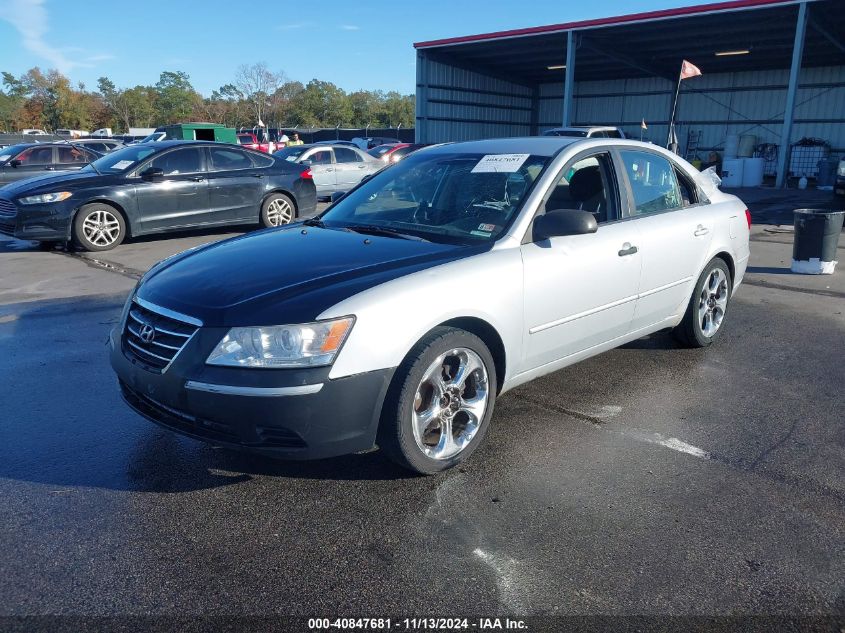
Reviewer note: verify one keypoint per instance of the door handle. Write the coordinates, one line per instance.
(49, 168)
(362, 166)
(701, 230)
(329, 169)
(197, 178)
(258, 175)
(627, 249)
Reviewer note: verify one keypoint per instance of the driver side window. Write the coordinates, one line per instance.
(586, 185)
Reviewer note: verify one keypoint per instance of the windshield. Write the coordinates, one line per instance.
(290, 154)
(380, 150)
(152, 138)
(122, 160)
(455, 197)
(245, 139)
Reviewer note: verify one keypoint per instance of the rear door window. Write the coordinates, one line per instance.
(653, 182)
(225, 159)
(73, 155)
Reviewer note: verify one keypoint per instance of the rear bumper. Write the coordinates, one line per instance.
(294, 414)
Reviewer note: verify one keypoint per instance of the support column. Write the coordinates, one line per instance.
(569, 79)
(792, 90)
(534, 126)
(421, 114)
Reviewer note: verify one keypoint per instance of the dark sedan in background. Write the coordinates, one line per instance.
(154, 188)
(26, 160)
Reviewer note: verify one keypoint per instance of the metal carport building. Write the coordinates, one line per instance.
(782, 79)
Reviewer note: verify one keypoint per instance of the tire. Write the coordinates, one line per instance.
(278, 209)
(705, 314)
(98, 227)
(429, 423)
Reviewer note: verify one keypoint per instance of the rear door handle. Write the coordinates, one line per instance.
(627, 249)
(197, 178)
(258, 175)
(701, 230)
(362, 166)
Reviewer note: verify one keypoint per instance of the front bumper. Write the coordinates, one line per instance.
(37, 221)
(280, 413)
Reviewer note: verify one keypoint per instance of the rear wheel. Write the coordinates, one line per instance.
(439, 406)
(278, 209)
(98, 227)
(705, 313)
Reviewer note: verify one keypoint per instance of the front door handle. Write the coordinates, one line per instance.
(329, 169)
(197, 178)
(701, 230)
(258, 175)
(362, 166)
(627, 249)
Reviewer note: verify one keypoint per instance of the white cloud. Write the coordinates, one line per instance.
(291, 27)
(349, 27)
(30, 18)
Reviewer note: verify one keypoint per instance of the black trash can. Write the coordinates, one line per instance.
(817, 234)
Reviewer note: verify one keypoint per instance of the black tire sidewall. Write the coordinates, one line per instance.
(397, 415)
(694, 326)
(79, 238)
(265, 221)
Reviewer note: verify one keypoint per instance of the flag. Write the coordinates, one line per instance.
(643, 125)
(689, 70)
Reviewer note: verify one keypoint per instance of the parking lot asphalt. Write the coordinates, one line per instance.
(648, 480)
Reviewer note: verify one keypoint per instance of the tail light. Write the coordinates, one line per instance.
(748, 218)
(307, 175)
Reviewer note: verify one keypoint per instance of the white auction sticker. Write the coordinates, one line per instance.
(5, 157)
(122, 164)
(505, 163)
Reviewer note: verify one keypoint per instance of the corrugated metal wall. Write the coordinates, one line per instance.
(455, 104)
(717, 105)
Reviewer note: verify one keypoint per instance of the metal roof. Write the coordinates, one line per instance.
(654, 43)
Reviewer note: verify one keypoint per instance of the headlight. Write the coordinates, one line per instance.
(46, 198)
(306, 345)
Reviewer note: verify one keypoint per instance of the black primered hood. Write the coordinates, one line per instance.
(287, 275)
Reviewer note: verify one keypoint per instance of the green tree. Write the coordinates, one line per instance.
(176, 97)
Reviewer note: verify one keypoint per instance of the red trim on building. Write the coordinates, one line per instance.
(732, 5)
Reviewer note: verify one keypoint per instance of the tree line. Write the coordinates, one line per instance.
(48, 100)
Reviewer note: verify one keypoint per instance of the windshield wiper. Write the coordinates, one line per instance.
(372, 229)
(315, 222)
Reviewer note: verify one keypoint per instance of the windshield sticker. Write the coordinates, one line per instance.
(5, 157)
(487, 227)
(502, 163)
(481, 233)
(123, 164)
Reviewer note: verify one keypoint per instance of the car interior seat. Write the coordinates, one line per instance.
(586, 190)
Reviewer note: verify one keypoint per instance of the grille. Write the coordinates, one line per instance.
(8, 208)
(169, 336)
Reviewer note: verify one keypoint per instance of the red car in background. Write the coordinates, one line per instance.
(250, 140)
(394, 152)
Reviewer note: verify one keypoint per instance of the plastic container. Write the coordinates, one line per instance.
(731, 146)
(752, 172)
(817, 233)
(747, 143)
(732, 172)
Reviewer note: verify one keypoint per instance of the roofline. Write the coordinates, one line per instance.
(632, 18)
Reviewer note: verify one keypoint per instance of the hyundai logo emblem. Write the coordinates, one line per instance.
(147, 333)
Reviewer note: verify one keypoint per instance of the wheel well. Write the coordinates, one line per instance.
(114, 206)
(288, 194)
(726, 257)
(491, 338)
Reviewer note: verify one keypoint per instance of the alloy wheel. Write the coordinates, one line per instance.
(279, 212)
(101, 227)
(712, 302)
(450, 403)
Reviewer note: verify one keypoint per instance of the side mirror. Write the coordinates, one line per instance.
(15, 163)
(152, 174)
(307, 162)
(560, 222)
(337, 195)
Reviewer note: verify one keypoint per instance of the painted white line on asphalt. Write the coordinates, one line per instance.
(682, 447)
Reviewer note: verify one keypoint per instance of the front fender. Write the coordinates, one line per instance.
(392, 317)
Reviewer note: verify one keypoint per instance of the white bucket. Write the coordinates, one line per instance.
(747, 143)
(732, 172)
(731, 146)
(752, 172)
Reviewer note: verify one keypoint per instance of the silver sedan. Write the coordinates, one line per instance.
(336, 168)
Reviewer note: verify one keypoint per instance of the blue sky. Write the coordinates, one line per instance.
(363, 44)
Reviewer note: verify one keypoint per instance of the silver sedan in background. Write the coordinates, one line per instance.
(336, 167)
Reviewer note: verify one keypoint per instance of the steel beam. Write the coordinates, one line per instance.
(569, 80)
(791, 91)
(421, 115)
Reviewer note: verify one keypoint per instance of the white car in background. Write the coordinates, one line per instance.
(586, 132)
(399, 315)
(335, 167)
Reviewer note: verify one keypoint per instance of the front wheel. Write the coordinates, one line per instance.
(98, 227)
(278, 209)
(705, 313)
(439, 406)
